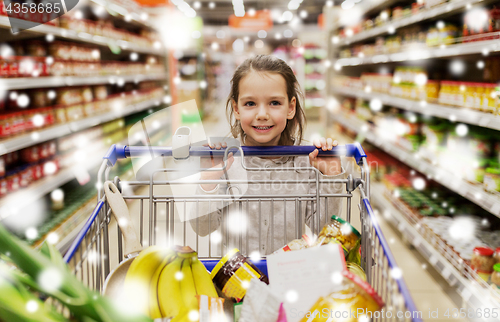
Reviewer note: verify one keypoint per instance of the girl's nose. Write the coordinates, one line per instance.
(262, 113)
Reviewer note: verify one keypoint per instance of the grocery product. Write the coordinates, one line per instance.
(496, 256)
(351, 295)
(357, 270)
(90, 304)
(233, 273)
(495, 276)
(482, 262)
(341, 232)
(140, 274)
(173, 280)
(296, 244)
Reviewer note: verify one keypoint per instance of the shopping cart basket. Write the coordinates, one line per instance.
(90, 253)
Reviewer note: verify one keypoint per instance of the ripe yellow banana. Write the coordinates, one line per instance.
(202, 280)
(154, 304)
(188, 288)
(169, 289)
(139, 276)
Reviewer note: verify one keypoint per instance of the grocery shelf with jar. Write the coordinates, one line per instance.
(314, 79)
(416, 147)
(69, 89)
(450, 36)
(420, 84)
(62, 217)
(445, 227)
(90, 23)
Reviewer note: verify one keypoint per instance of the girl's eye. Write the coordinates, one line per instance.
(250, 104)
(275, 103)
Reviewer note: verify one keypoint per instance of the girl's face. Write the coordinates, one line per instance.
(263, 108)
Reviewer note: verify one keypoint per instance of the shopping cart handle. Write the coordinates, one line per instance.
(117, 152)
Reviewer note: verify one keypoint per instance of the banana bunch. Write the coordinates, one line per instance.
(164, 283)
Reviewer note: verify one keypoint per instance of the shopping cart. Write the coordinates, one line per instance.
(90, 254)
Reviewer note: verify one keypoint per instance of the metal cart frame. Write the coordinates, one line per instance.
(89, 255)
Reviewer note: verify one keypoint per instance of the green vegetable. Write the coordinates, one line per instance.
(17, 304)
(82, 302)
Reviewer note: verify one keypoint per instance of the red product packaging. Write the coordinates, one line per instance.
(52, 148)
(5, 126)
(19, 123)
(3, 186)
(43, 151)
(13, 68)
(50, 167)
(2, 165)
(12, 182)
(25, 177)
(37, 171)
(4, 68)
(30, 154)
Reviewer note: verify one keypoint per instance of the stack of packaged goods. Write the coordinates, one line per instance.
(477, 25)
(36, 109)
(412, 83)
(440, 213)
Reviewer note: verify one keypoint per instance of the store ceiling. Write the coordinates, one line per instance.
(224, 8)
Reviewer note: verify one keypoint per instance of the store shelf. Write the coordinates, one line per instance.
(9, 205)
(30, 139)
(133, 15)
(455, 114)
(423, 52)
(81, 36)
(436, 253)
(58, 81)
(475, 193)
(435, 12)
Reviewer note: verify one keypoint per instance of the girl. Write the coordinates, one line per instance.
(264, 109)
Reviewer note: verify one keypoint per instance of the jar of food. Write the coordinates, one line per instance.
(233, 273)
(495, 276)
(469, 95)
(482, 262)
(496, 256)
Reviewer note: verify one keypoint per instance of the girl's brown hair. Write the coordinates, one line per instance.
(264, 63)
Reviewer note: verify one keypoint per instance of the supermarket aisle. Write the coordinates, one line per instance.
(428, 289)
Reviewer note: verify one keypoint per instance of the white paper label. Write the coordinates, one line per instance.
(302, 276)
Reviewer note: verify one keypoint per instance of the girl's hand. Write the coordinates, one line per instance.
(327, 165)
(214, 162)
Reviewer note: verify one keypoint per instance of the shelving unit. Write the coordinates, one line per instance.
(434, 12)
(439, 255)
(124, 15)
(135, 14)
(26, 140)
(412, 54)
(476, 194)
(457, 114)
(56, 81)
(69, 34)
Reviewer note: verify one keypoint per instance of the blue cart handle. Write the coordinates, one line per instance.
(117, 152)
